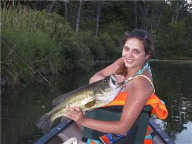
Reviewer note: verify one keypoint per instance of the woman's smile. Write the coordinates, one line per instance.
(128, 60)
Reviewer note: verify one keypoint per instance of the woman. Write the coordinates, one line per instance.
(137, 50)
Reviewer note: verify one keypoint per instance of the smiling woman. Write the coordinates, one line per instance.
(141, 42)
(137, 50)
(22, 107)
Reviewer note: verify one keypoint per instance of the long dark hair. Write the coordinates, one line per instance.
(148, 46)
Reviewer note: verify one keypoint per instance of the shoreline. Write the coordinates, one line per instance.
(152, 60)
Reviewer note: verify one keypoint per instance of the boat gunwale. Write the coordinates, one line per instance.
(158, 131)
(55, 131)
(61, 126)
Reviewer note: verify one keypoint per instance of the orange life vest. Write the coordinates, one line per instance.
(158, 108)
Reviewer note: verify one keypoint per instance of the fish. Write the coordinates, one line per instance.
(88, 97)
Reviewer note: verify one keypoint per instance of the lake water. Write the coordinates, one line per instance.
(20, 108)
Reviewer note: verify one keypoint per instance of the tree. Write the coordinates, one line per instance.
(98, 16)
(78, 16)
(66, 11)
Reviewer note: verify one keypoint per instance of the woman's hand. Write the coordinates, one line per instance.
(76, 114)
(120, 78)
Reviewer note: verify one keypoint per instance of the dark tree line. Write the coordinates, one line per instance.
(169, 22)
(80, 32)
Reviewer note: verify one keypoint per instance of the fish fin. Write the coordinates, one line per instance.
(90, 104)
(93, 102)
(91, 109)
(44, 123)
(58, 99)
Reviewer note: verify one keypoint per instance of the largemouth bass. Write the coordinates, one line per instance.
(88, 97)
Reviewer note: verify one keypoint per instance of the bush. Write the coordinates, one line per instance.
(44, 39)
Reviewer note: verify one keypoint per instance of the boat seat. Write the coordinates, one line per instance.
(137, 132)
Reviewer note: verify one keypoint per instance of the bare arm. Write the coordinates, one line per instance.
(139, 92)
(106, 71)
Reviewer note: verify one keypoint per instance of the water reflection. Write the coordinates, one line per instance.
(22, 107)
(173, 84)
(185, 137)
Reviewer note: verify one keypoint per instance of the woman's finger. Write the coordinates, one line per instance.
(77, 108)
(120, 78)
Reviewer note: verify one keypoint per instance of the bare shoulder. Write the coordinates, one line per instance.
(141, 85)
(141, 81)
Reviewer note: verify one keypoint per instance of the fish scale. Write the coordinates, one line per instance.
(88, 97)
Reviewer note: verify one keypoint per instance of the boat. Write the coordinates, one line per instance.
(70, 133)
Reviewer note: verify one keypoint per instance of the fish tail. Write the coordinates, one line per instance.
(45, 123)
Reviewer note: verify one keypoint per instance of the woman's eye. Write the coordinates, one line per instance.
(137, 51)
(126, 48)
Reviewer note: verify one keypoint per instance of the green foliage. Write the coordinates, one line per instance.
(75, 55)
(44, 39)
(158, 17)
(173, 42)
(50, 44)
(40, 51)
(108, 43)
(93, 43)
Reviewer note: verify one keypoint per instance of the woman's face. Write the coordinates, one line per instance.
(134, 53)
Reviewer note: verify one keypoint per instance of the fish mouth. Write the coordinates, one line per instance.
(107, 95)
(115, 81)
